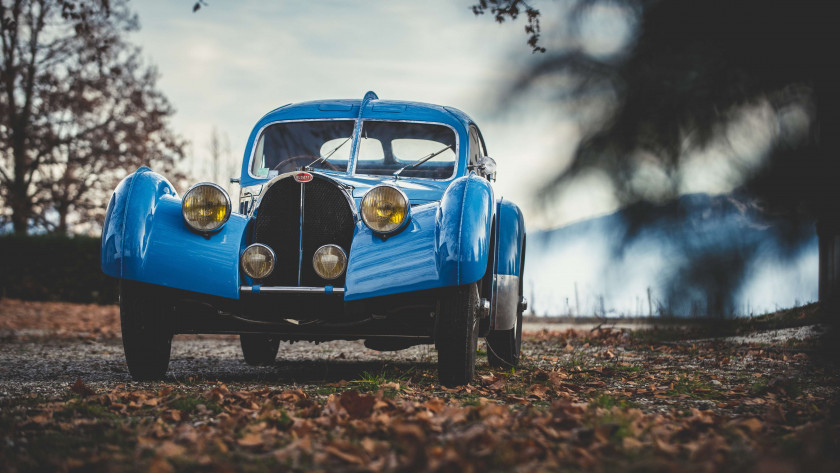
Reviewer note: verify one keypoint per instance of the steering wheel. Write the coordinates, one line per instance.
(299, 161)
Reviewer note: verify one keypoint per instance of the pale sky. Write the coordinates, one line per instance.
(231, 62)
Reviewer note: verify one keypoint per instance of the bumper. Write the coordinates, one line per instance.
(290, 290)
(305, 313)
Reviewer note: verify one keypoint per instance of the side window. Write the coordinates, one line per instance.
(475, 146)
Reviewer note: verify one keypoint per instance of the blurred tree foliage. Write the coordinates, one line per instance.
(54, 268)
(742, 93)
(78, 111)
(689, 71)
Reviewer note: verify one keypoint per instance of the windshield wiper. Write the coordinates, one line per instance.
(324, 158)
(421, 160)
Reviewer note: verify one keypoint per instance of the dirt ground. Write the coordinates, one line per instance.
(753, 397)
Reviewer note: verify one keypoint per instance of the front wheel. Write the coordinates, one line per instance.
(146, 333)
(456, 335)
(259, 349)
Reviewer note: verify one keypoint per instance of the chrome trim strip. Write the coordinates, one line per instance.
(259, 135)
(300, 233)
(357, 132)
(290, 290)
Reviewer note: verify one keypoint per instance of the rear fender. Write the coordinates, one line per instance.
(443, 244)
(145, 239)
(507, 278)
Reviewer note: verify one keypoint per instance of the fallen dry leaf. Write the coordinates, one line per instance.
(249, 440)
(357, 405)
(81, 388)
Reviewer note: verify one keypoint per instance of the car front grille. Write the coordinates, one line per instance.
(327, 218)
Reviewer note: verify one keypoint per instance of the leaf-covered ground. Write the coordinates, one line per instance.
(582, 400)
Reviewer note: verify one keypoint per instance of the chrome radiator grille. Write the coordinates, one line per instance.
(295, 219)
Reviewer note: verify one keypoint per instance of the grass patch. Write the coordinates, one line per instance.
(470, 400)
(616, 425)
(191, 403)
(694, 388)
(606, 401)
(783, 386)
(79, 408)
(515, 389)
(573, 362)
(372, 382)
(759, 386)
(625, 369)
(284, 421)
(324, 390)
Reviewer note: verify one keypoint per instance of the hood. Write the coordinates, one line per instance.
(419, 191)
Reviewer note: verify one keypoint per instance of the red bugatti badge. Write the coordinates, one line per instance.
(303, 177)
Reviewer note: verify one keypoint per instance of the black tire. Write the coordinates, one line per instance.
(146, 333)
(456, 335)
(505, 346)
(259, 349)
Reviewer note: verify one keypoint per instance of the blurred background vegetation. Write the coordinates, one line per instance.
(54, 268)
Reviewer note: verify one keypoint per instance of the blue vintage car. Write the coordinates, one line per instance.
(357, 219)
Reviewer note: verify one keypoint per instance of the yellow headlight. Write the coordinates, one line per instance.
(206, 207)
(385, 209)
(257, 261)
(329, 261)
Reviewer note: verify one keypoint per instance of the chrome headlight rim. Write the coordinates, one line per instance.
(228, 208)
(270, 268)
(315, 254)
(407, 209)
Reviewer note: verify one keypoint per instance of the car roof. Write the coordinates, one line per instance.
(374, 109)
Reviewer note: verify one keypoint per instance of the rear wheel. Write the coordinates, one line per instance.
(146, 333)
(456, 335)
(259, 349)
(505, 346)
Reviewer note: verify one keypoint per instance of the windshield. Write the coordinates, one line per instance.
(289, 146)
(387, 147)
(384, 148)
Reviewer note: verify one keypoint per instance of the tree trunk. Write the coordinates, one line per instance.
(20, 217)
(21, 206)
(828, 233)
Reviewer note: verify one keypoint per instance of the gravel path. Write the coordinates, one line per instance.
(35, 363)
(46, 367)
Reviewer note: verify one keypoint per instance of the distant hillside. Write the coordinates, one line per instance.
(697, 255)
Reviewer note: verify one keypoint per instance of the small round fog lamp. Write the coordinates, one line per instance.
(257, 261)
(329, 261)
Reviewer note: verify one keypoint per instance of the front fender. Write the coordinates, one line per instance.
(145, 239)
(443, 244)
